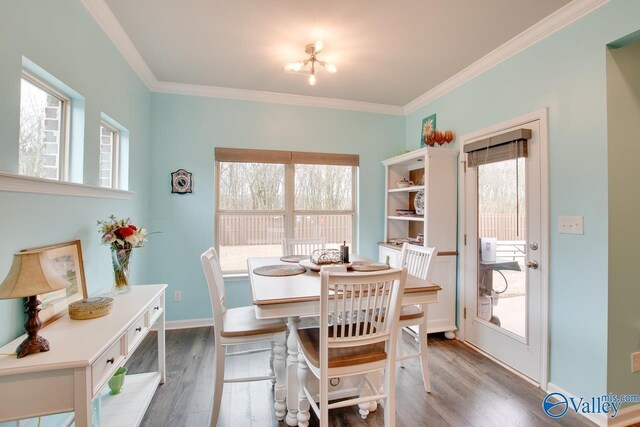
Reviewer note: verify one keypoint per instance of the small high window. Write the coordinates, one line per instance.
(109, 145)
(43, 130)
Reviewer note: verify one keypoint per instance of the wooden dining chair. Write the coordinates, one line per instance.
(237, 326)
(420, 262)
(352, 341)
(301, 246)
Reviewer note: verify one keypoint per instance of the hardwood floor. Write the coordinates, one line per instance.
(468, 389)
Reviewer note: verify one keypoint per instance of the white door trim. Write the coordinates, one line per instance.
(542, 116)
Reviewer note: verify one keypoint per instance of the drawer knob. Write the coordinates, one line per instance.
(112, 360)
(139, 329)
(157, 307)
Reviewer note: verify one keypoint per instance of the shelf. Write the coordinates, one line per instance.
(407, 190)
(128, 407)
(407, 218)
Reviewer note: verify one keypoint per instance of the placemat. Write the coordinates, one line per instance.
(294, 258)
(279, 270)
(368, 266)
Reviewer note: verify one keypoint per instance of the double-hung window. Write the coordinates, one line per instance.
(43, 139)
(264, 196)
(109, 144)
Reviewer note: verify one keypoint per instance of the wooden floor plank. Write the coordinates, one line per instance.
(468, 389)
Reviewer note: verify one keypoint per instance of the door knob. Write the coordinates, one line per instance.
(532, 264)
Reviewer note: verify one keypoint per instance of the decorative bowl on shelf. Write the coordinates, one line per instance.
(405, 212)
(405, 183)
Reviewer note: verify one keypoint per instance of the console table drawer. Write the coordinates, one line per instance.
(105, 366)
(154, 310)
(135, 333)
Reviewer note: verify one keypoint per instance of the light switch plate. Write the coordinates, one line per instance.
(571, 224)
(635, 361)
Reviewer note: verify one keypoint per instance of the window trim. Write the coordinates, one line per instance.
(65, 121)
(115, 154)
(289, 213)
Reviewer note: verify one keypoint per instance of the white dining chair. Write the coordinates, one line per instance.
(237, 326)
(420, 262)
(351, 340)
(301, 246)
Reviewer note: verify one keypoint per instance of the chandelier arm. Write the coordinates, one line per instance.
(324, 64)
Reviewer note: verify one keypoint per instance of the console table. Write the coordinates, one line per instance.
(84, 355)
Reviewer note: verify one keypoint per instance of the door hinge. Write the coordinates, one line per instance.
(464, 166)
(464, 313)
(465, 240)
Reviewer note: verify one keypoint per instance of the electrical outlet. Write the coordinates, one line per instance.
(177, 296)
(571, 224)
(635, 361)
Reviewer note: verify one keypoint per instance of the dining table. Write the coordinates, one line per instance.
(297, 296)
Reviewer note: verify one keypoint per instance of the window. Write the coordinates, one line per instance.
(265, 196)
(109, 144)
(43, 130)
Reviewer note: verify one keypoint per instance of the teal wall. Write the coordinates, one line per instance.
(623, 112)
(185, 131)
(566, 72)
(62, 38)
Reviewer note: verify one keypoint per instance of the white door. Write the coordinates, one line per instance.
(504, 269)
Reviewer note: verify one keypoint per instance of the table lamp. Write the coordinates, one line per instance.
(31, 274)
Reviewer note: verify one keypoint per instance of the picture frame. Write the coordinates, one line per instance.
(66, 259)
(428, 126)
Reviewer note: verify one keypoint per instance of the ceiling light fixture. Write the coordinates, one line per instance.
(312, 49)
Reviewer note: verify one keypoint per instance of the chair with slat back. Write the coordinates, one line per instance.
(351, 340)
(237, 326)
(420, 262)
(301, 246)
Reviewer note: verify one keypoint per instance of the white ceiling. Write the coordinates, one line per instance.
(387, 52)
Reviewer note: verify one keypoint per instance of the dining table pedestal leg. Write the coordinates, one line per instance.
(292, 371)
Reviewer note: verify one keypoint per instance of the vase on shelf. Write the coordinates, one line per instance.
(120, 259)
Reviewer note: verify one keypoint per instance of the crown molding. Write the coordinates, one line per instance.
(275, 98)
(102, 14)
(561, 18)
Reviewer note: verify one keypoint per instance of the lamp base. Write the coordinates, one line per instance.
(32, 345)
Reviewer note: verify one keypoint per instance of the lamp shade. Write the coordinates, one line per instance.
(31, 274)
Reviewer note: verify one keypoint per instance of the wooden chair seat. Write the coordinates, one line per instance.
(411, 312)
(309, 340)
(242, 322)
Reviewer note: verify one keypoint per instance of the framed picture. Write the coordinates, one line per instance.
(66, 259)
(428, 126)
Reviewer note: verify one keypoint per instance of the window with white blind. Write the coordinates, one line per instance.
(109, 144)
(264, 196)
(42, 147)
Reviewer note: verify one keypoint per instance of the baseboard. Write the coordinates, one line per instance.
(601, 420)
(626, 416)
(187, 324)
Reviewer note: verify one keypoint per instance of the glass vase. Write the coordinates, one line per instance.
(120, 259)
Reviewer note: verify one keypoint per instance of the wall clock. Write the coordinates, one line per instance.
(181, 182)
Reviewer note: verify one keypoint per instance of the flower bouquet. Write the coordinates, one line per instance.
(122, 237)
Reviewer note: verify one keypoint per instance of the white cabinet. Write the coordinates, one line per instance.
(84, 355)
(433, 171)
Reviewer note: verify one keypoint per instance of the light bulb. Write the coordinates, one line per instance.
(319, 46)
(331, 68)
(312, 79)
